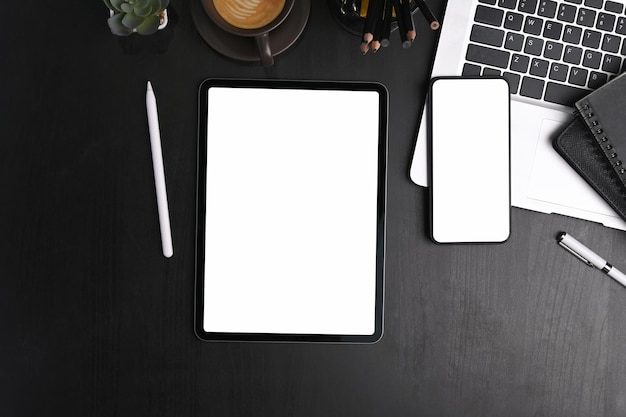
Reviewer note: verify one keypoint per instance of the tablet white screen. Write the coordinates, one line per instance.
(291, 211)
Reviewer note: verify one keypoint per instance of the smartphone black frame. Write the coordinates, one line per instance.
(430, 138)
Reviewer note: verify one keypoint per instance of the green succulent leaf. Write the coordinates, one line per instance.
(117, 4)
(127, 8)
(149, 25)
(108, 4)
(130, 20)
(144, 11)
(117, 27)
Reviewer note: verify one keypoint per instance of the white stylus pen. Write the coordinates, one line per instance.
(590, 257)
(159, 172)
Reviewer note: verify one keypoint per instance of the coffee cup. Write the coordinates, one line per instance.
(250, 18)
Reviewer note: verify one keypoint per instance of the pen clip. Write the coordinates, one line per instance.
(573, 252)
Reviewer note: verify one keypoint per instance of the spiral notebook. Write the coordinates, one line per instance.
(604, 113)
(594, 144)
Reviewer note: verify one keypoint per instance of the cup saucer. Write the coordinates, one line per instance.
(245, 49)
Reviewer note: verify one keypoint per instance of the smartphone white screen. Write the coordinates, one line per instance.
(469, 142)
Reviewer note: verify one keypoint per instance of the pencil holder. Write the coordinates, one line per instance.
(351, 15)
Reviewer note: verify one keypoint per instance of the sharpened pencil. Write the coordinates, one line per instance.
(408, 20)
(384, 41)
(378, 30)
(374, 12)
(400, 18)
(428, 14)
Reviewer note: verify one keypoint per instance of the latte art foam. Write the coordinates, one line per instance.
(242, 9)
(249, 14)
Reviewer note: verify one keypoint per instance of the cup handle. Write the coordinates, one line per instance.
(263, 44)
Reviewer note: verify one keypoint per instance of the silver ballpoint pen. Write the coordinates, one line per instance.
(590, 257)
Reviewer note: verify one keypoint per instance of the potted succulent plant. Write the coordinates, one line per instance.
(141, 16)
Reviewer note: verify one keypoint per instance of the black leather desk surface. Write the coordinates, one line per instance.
(94, 321)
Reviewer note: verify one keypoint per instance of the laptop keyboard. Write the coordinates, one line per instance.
(556, 51)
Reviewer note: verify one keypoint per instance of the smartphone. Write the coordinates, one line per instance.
(469, 159)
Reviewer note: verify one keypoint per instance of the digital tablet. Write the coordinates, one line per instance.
(291, 211)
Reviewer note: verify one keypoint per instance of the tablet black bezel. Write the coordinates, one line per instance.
(201, 209)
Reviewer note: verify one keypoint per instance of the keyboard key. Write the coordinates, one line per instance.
(564, 94)
(527, 6)
(483, 55)
(492, 2)
(575, 1)
(567, 13)
(507, 4)
(547, 8)
(471, 69)
(488, 15)
(487, 35)
(552, 30)
(592, 59)
(594, 3)
(514, 41)
(621, 26)
(572, 34)
(532, 87)
(606, 21)
(611, 63)
(610, 43)
(491, 72)
(597, 79)
(572, 55)
(513, 21)
(553, 50)
(611, 6)
(519, 63)
(513, 80)
(558, 72)
(533, 46)
(586, 17)
(578, 76)
(533, 25)
(591, 39)
(539, 67)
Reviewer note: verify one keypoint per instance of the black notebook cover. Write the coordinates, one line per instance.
(604, 112)
(579, 148)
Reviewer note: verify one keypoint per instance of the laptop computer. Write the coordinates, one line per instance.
(552, 53)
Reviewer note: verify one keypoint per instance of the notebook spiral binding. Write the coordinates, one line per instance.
(579, 148)
(595, 127)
